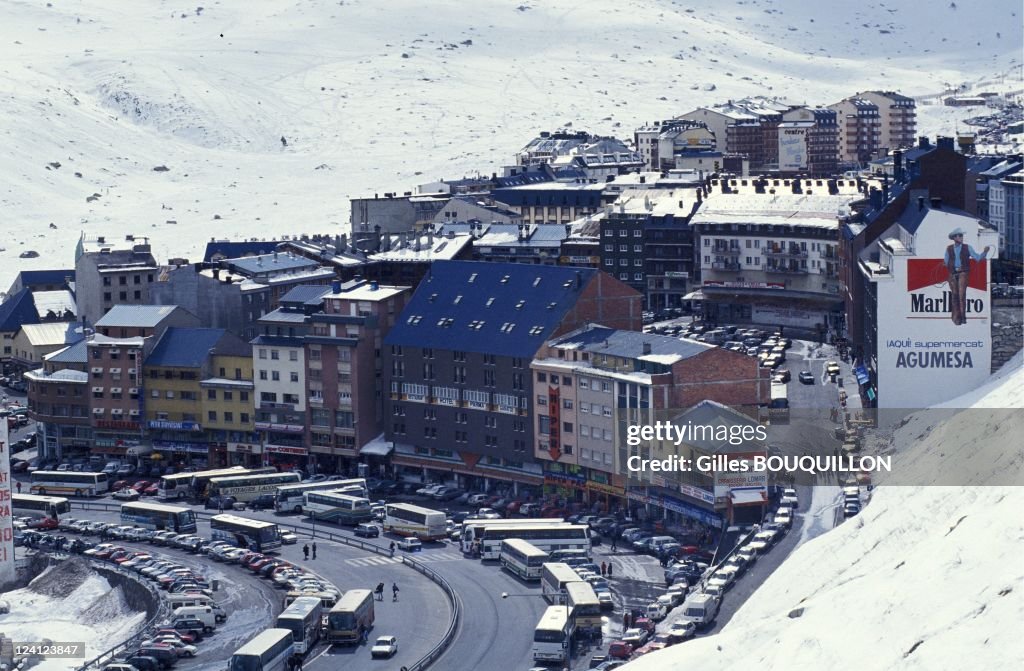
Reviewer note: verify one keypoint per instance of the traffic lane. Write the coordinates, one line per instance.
(494, 633)
(418, 619)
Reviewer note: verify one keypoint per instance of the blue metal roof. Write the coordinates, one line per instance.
(31, 277)
(227, 249)
(140, 316)
(185, 347)
(508, 309)
(306, 294)
(559, 195)
(18, 310)
(77, 353)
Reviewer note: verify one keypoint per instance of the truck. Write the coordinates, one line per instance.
(701, 609)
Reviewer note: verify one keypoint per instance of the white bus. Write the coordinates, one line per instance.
(522, 558)
(245, 533)
(472, 529)
(40, 506)
(547, 537)
(302, 618)
(553, 580)
(69, 482)
(159, 516)
(407, 520)
(268, 651)
(778, 408)
(247, 487)
(288, 498)
(337, 508)
(584, 606)
(188, 484)
(553, 635)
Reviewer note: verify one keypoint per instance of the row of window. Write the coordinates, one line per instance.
(226, 395)
(624, 233)
(228, 417)
(275, 375)
(123, 280)
(275, 355)
(271, 397)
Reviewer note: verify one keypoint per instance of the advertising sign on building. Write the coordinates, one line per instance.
(6, 513)
(935, 330)
(792, 148)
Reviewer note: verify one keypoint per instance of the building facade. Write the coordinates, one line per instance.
(109, 273)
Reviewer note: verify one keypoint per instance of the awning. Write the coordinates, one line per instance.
(378, 447)
(697, 295)
(742, 497)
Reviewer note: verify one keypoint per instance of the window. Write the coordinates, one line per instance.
(542, 377)
(243, 396)
(542, 400)
(638, 248)
(263, 353)
(544, 425)
(567, 403)
(584, 430)
(638, 277)
(638, 263)
(624, 277)
(707, 242)
(275, 375)
(211, 415)
(211, 394)
(293, 355)
(293, 376)
(268, 397)
(609, 248)
(275, 354)
(229, 417)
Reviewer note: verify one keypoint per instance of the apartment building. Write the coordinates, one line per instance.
(860, 131)
(109, 273)
(590, 385)
(898, 116)
(663, 143)
(58, 401)
(116, 401)
(457, 365)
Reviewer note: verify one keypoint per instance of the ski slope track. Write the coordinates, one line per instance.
(268, 116)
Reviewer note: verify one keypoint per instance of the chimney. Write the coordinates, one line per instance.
(643, 179)
(897, 166)
(374, 286)
(920, 203)
(923, 143)
(647, 348)
(945, 143)
(936, 203)
(216, 273)
(568, 230)
(335, 286)
(275, 256)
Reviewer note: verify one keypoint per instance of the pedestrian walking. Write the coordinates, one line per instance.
(305, 552)
(394, 591)
(609, 569)
(220, 506)
(392, 548)
(363, 637)
(298, 662)
(314, 551)
(18, 486)
(615, 545)
(604, 568)
(380, 591)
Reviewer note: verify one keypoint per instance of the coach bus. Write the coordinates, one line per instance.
(554, 577)
(159, 516)
(584, 607)
(472, 529)
(548, 537)
(72, 483)
(522, 558)
(247, 487)
(288, 498)
(185, 485)
(40, 506)
(326, 599)
(337, 508)
(408, 520)
(350, 617)
(302, 618)
(553, 635)
(245, 533)
(267, 651)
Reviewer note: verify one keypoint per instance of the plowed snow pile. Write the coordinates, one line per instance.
(69, 603)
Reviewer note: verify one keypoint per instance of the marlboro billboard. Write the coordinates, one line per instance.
(934, 310)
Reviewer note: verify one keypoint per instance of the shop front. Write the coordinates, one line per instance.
(285, 457)
(468, 471)
(566, 482)
(249, 455)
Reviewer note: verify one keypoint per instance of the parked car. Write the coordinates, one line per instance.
(620, 649)
(410, 545)
(367, 530)
(126, 494)
(262, 502)
(289, 538)
(635, 637)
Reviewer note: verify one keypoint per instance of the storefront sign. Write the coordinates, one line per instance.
(604, 489)
(286, 449)
(743, 285)
(245, 448)
(697, 493)
(172, 446)
(284, 428)
(117, 424)
(792, 149)
(690, 510)
(174, 426)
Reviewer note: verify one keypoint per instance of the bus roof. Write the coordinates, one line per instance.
(323, 484)
(352, 598)
(145, 505)
(526, 547)
(414, 509)
(580, 592)
(510, 523)
(64, 473)
(301, 607)
(528, 525)
(38, 497)
(259, 643)
(562, 571)
(246, 477)
(244, 521)
(779, 391)
(188, 475)
(554, 618)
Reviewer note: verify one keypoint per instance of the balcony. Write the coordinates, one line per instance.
(793, 252)
(785, 270)
(731, 251)
(722, 265)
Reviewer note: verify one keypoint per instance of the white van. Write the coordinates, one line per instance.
(657, 611)
(188, 599)
(210, 616)
(700, 609)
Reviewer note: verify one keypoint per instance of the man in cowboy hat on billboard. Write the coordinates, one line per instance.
(958, 264)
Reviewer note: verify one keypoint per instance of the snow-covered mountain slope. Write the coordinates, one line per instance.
(272, 114)
(924, 578)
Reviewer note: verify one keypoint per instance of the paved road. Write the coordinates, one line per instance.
(419, 619)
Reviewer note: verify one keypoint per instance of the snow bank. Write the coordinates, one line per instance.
(924, 578)
(70, 603)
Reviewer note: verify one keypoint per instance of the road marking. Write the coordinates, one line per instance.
(380, 561)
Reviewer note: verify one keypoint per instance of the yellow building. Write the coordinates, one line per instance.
(198, 394)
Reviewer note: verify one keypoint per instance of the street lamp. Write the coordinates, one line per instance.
(564, 594)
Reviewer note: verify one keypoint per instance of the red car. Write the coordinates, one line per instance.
(184, 637)
(644, 623)
(152, 490)
(659, 642)
(107, 552)
(141, 485)
(258, 564)
(620, 650)
(248, 560)
(128, 557)
(43, 523)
